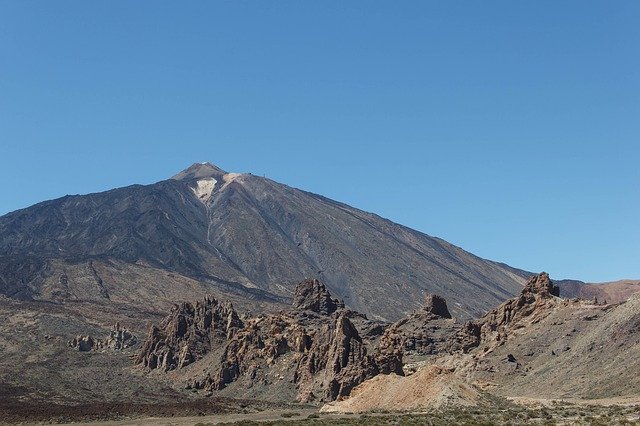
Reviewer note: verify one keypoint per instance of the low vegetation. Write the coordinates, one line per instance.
(498, 414)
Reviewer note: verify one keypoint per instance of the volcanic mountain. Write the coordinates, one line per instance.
(240, 237)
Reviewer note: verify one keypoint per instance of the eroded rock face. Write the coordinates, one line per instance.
(335, 363)
(315, 350)
(436, 305)
(312, 295)
(534, 297)
(466, 338)
(325, 354)
(537, 295)
(426, 331)
(542, 286)
(119, 339)
(188, 333)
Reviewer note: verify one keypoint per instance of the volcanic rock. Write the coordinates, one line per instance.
(426, 331)
(313, 351)
(312, 295)
(119, 339)
(188, 333)
(336, 362)
(431, 387)
(436, 305)
(539, 294)
(237, 235)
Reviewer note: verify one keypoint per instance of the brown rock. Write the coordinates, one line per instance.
(466, 338)
(316, 347)
(436, 305)
(494, 328)
(426, 331)
(188, 333)
(312, 295)
(119, 339)
(336, 362)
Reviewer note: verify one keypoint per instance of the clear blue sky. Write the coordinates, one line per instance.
(509, 128)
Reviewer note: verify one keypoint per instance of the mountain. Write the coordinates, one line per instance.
(238, 236)
(613, 292)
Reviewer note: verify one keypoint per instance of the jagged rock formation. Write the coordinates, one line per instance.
(119, 338)
(188, 333)
(436, 306)
(426, 331)
(563, 348)
(313, 295)
(536, 297)
(316, 347)
(432, 331)
(336, 362)
(466, 338)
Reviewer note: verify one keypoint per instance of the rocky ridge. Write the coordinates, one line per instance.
(321, 348)
(319, 351)
(426, 331)
(188, 333)
(460, 351)
(533, 303)
(312, 295)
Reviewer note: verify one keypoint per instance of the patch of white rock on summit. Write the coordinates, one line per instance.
(204, 188)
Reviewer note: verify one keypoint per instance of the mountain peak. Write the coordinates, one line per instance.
(199, 171)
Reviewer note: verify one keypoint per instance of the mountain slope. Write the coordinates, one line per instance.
(247, 235)
(612, 292)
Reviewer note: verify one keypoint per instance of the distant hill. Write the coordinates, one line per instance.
(612, 292)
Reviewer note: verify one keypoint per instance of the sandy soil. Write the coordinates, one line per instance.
(431, 387)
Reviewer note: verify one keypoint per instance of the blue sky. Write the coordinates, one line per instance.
(511, 129)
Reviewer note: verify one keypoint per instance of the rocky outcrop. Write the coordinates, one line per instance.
(119, 339)
(436, 306)
(542, 286)
(466, 338)
(431, 387)
(426, 331)
(315, 351)
(312, 295)
(539, 294)
(255, 348)
(335, 363)
(325, 355)
(188, 333)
